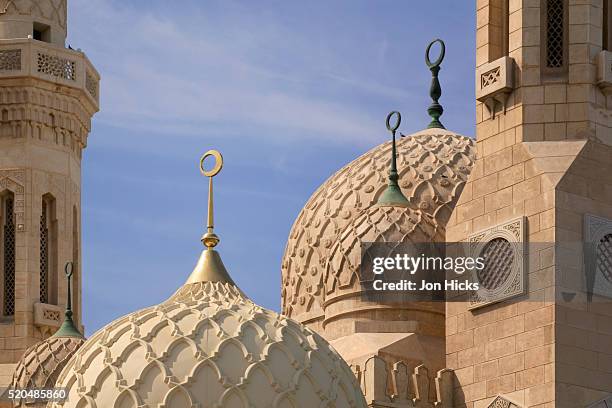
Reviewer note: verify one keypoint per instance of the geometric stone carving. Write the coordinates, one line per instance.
(48, 317)
(494, 83)
(10, 60)
(56, 66)
(434, 165)
(501, 402)
(207, 346)
(598, 255)
(503, 248)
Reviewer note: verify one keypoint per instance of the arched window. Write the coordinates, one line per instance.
(76, 271)
(8, 254)
(48, 251)
(554, 36)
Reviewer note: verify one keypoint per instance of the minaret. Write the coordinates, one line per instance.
(538, 205)
(48, 95)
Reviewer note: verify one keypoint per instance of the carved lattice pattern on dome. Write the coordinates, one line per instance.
(393, 225)
(499, 259)
(44, 255)
(604, 257)
(9, 257)
(490, 77)
(56, 66)
(42, 363)
(217, 348)
(555, 23)
(10, 60)
(91, 84)
(433, 165)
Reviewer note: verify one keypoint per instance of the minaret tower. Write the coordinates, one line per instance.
(538, 205)
(48, 95)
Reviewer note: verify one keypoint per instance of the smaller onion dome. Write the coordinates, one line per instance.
(42, 363)
(392, 222)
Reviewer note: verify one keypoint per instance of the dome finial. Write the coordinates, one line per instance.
(393, 194)
(210, 239)
(210, 267)
(435, 110)
(68, 328)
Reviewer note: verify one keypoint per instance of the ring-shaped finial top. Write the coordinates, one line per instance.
(68, 268)
(218, 163)
(398, 120)
(440, 58)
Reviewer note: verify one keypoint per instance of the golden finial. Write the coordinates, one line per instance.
(210, 239)
(210, 268)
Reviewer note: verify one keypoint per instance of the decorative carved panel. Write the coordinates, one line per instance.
(47, 317)
(10, 60)
(504, 250)
(56, 66)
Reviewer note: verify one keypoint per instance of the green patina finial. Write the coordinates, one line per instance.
(435, 110)
(393, 194)
(68, 329)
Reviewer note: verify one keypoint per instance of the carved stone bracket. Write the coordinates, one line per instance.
(494, 83)
(48, 318)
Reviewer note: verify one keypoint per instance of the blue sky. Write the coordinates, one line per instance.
(288, 91)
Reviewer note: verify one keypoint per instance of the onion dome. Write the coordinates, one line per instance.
(390, 221)
(208, 345)
(41, 364)
(434, 165)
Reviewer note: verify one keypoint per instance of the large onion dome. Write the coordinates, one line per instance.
(433, 166)
(42, 363)
(208, 346)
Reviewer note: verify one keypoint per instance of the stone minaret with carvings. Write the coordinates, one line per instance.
(48, 95)
(538, 204)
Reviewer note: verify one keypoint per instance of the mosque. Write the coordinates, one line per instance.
(532, 191)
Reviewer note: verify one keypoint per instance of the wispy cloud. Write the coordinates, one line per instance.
(180, 74)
